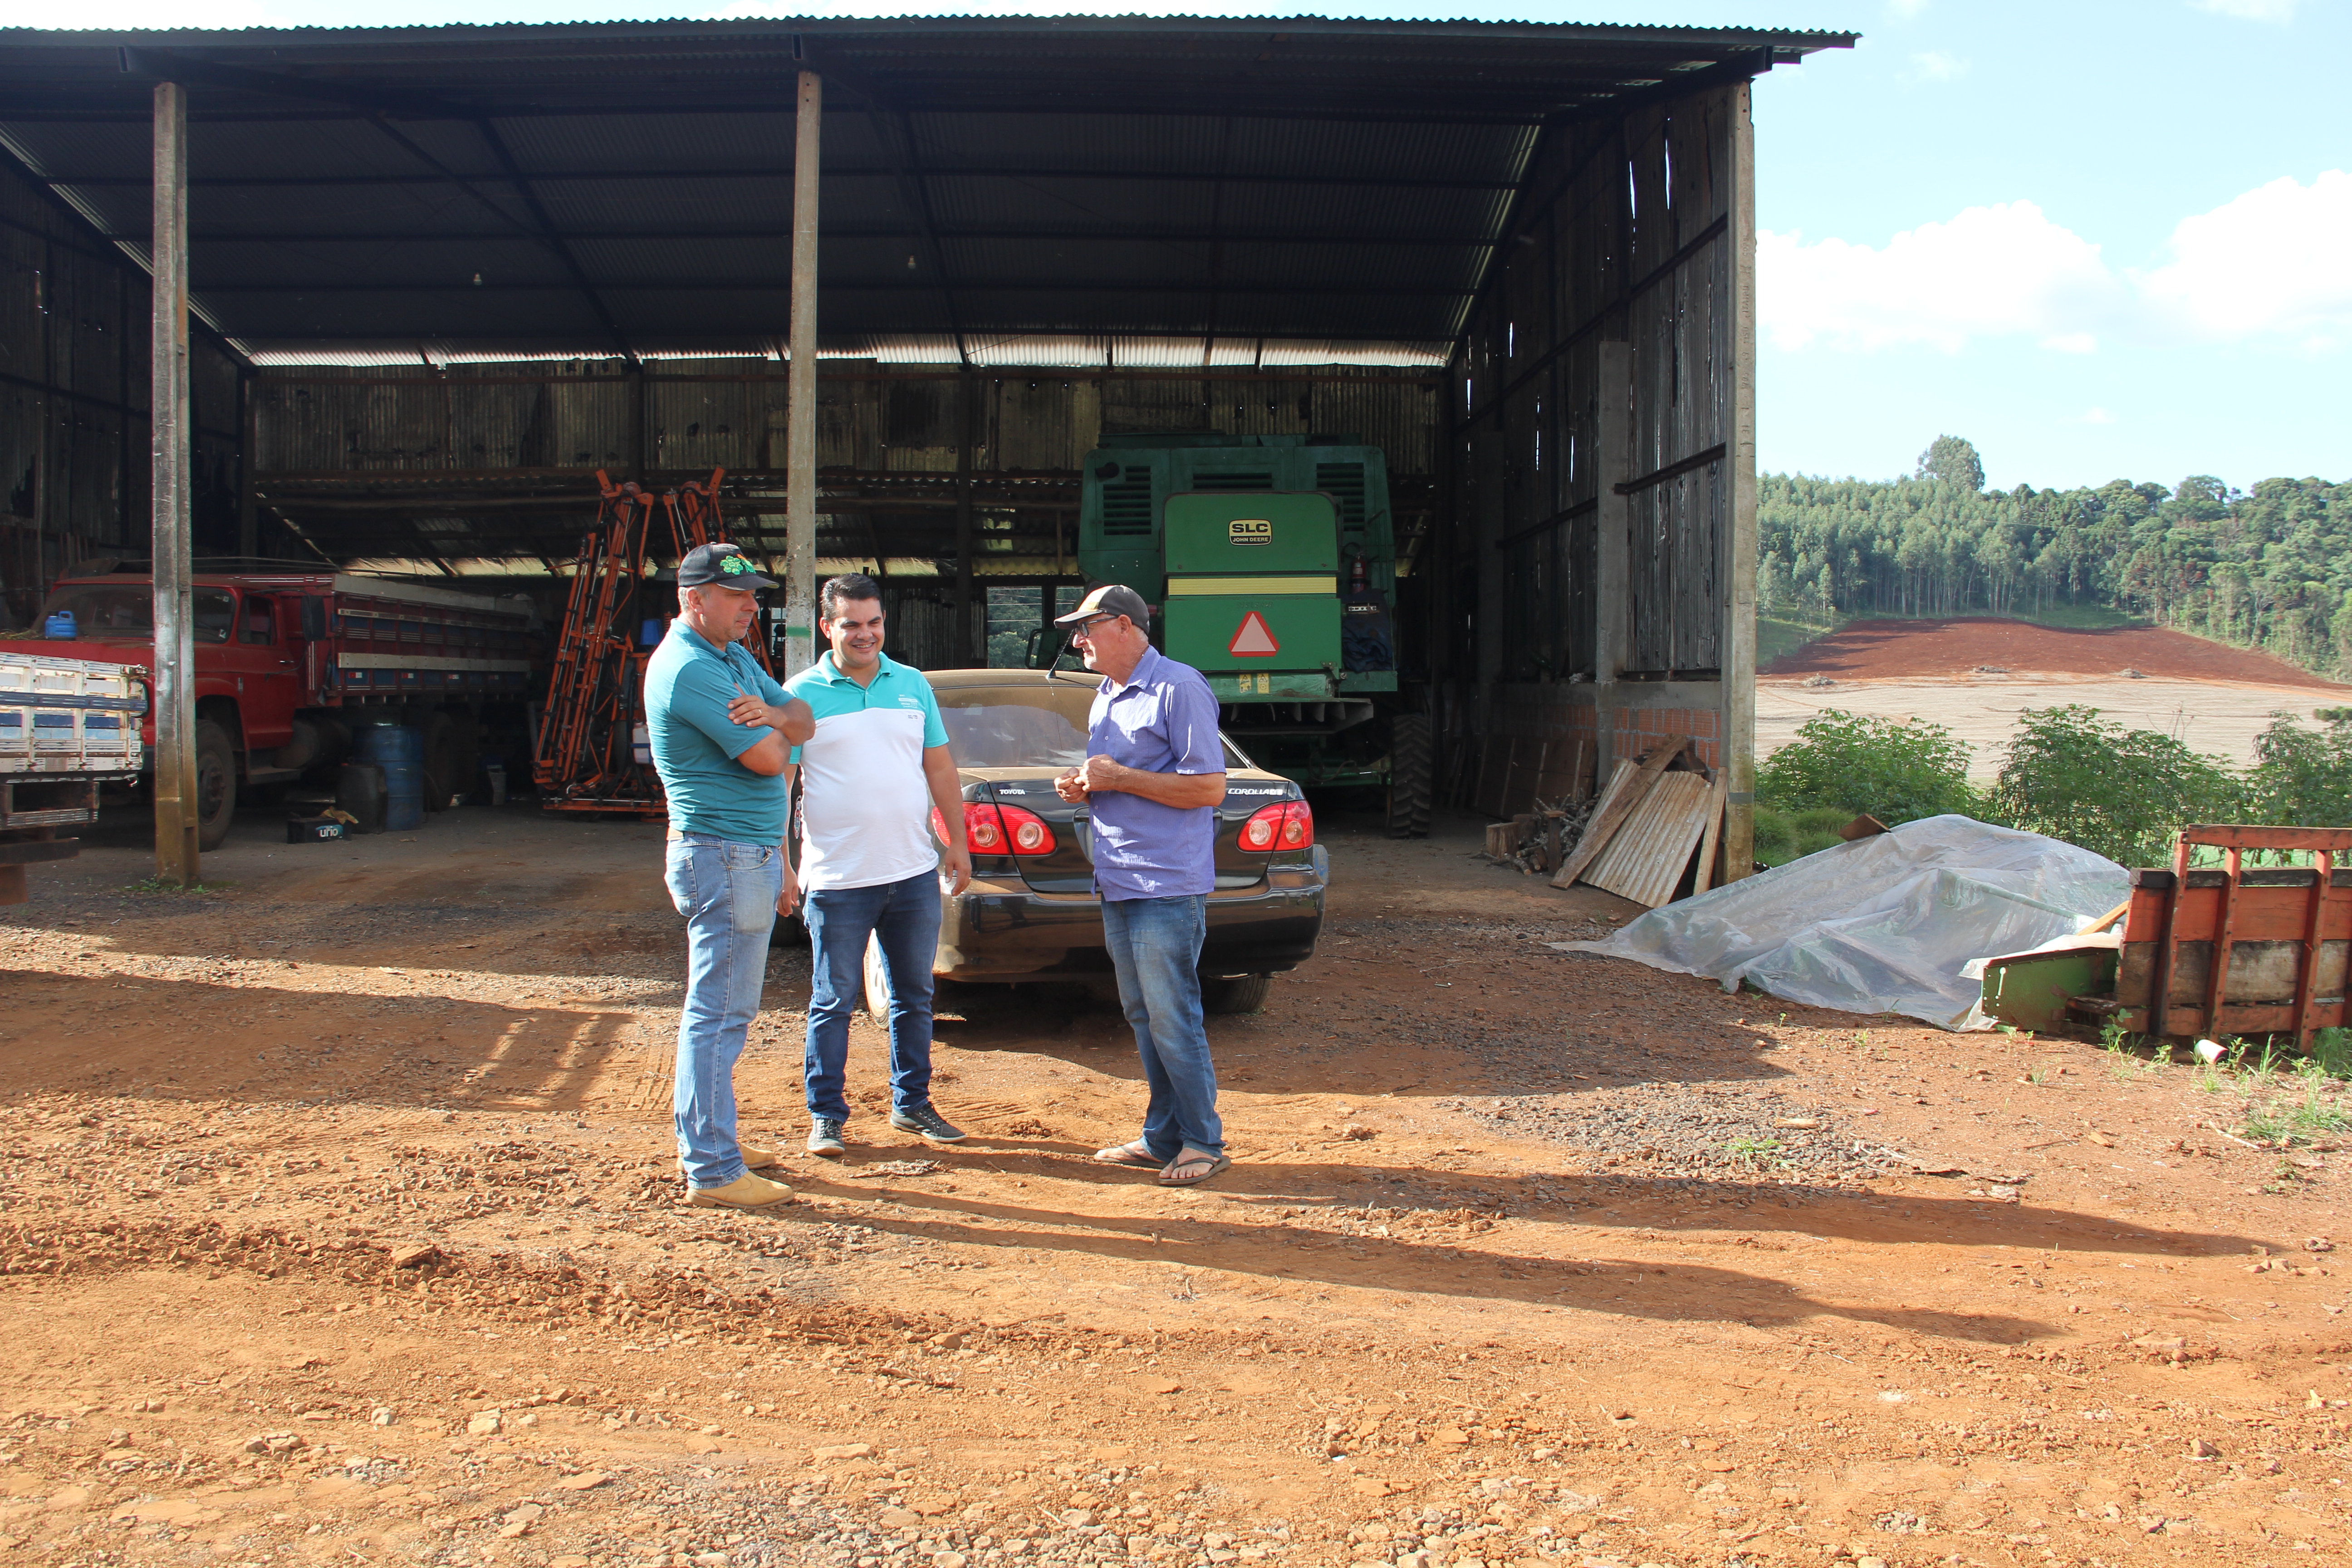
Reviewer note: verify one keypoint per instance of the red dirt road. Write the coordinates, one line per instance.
(1898, 650)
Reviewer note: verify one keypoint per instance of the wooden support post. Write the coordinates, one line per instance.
(1737, 737)
(800, 415)
(1612, 605)
(173, 691)
(2167, 947)
(1488, 458)
(2217, 974)
(2315, 928)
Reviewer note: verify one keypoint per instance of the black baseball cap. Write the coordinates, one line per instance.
(724, 564)
(1110, 599)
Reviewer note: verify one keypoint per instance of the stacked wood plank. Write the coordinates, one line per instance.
(1647, 822)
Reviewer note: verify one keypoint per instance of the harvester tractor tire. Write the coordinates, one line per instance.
(1412, 768)
(215, 785)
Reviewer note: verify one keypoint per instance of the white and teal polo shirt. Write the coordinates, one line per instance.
(866, 808)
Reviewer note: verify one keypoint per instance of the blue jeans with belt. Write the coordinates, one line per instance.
(905, 918)
(727, 893)
(1155, 947)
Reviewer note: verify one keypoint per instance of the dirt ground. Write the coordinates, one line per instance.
(338, 1224)
(1977, 675)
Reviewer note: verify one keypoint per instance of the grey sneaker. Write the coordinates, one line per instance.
(825, 1138)
(928, 1122)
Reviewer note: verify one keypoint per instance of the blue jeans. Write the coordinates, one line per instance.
(1155, 946)
(906, 916)
(727, 892)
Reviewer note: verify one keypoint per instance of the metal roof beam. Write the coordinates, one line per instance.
(899, 285)
(1466, 240)
(610, 176)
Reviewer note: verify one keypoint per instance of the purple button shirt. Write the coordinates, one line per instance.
(1163, 720)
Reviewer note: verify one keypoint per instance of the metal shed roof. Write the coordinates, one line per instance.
(621, 188)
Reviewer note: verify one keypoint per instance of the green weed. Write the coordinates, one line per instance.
(1753, 1153)
(158, 885)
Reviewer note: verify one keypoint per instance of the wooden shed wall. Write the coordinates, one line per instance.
(74, 470)
(1603, 459)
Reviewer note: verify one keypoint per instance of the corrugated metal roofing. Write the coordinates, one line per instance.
(1047, 182)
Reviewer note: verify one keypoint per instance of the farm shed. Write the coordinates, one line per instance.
(442, 276)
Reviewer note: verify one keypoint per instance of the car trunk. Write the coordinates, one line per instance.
(1069, 868)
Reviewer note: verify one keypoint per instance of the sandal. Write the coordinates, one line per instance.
(1200, 1165)
(1136, 1153)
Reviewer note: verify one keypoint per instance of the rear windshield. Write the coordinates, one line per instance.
(117, 607)
(1037, 726)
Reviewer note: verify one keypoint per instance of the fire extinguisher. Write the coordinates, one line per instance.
(1358, 578)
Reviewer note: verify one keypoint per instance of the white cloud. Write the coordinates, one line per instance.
(2249, 10)
(1990, 272)
(2072, 342)
(1937, 64)
(2277, 260)
(2094, 414)
(1907, 9)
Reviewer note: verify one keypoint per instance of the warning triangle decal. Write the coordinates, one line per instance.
(1253, 641)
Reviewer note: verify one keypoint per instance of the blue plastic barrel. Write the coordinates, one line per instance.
(399, 751)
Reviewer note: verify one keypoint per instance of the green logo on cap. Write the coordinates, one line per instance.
(735, 566)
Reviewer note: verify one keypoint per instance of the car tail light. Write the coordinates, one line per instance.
(999, 830)
(1286, 825)
(1028, 831)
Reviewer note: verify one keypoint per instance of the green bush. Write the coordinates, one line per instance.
(1782, 836)
(1897, 771)
(2303, 777)
(1776, 837)
(2122, 794)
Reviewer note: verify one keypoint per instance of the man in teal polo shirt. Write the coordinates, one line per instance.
(871, 777)
(721, 728)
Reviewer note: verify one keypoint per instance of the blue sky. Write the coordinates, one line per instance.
(2100, 239)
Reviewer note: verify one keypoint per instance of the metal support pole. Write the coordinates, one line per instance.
(800, 415)
(174, 693)
(1738, 638)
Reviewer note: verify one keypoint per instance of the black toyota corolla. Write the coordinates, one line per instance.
(1032, 912)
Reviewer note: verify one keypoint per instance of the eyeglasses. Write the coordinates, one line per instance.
(1084, 630)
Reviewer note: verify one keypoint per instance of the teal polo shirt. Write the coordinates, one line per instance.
(689, 684)
(865, 807)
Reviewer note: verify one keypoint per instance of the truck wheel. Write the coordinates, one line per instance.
(215, 785)
(1235, 994)
(1411, 755)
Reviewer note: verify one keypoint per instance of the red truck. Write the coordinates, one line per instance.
(291, 658)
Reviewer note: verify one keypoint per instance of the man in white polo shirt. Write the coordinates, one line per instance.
(870, 778)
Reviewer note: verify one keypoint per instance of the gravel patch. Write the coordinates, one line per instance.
(1674, 1127)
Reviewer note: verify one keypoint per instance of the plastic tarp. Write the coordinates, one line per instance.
(1892, 923)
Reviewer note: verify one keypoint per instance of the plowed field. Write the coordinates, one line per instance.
(1908, 650)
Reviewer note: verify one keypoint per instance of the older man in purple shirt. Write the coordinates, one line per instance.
(1153, 778)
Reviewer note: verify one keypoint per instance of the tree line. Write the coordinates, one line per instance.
(2269, 569)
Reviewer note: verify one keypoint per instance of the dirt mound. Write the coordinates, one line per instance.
(1899, 650)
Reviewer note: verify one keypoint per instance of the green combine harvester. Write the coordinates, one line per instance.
(1271, 562)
